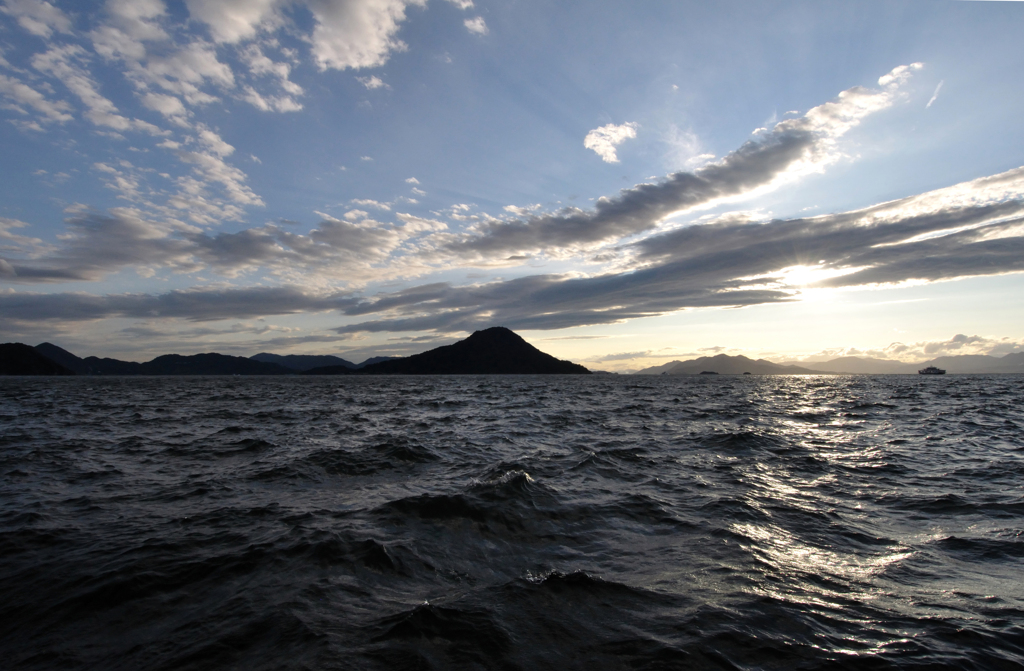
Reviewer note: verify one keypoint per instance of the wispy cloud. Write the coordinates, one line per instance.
(972, 229)
(793, 148)
(935, 96)
(200, 304)
(373, 82)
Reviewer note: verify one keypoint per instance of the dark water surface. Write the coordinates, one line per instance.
(512, 522)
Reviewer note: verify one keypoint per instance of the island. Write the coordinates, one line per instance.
(493, 351)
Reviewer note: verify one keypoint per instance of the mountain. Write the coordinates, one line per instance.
(301, 362)
(493, 351)
(211, 364)
(976, 363)
(168, 364)
(90, 365)
(108, 366)
(19, 359)
(725, 365)
(658, 370)
(1014, 362)
(375, 359)
(63, 357)
(862, 365)
(964, 364)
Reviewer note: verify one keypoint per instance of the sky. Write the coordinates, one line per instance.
(621, 183)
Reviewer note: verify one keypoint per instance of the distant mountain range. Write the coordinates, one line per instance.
(725, 364)
(964, 363)
(495, 350)
(304, 362)
(492, 351)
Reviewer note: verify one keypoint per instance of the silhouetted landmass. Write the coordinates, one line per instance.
(853, 364)
(723, 364)
(63, 357)
(108, 366)
(375, 359)
(168, 364)
(963, 363)
(20, 359)
(211, 364)
(493, 351)
(90, 365)
(301, 362)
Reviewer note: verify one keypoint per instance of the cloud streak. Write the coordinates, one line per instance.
(972, 229)
(201, 304)
(793, 147)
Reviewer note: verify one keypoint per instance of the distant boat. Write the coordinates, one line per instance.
(931, 370)
(708, 372)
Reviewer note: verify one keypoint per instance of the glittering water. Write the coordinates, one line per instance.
(512, 522)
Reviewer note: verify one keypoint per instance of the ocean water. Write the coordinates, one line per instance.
(578, 522)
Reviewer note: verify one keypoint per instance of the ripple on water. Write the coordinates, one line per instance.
(512, 522)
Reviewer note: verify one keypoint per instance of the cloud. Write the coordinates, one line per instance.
(231, 21)
(270, 103)
(22, 95)
(685, 148)
(372, 82)
(462, 4)
(357, 33)
(200, 304)
(794, 147)
(476, 25)
(210, 167)
(352, 250)
(37, 17)
(184, 72)
(971, 229)
(97, 244)
(167, 105)
(605, 139)
(366, 202)
(412, 180)
(346, 33)
(260, 65)
(133, 33)
(923, 350)
(63, 64)
(935, 95)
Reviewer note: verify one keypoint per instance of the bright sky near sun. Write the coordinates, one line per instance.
(622, 183)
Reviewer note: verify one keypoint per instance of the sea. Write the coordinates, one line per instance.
(512, 522)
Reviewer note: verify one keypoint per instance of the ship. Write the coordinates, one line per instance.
(931, 370)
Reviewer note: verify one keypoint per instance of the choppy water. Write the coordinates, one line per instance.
(512, 522)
